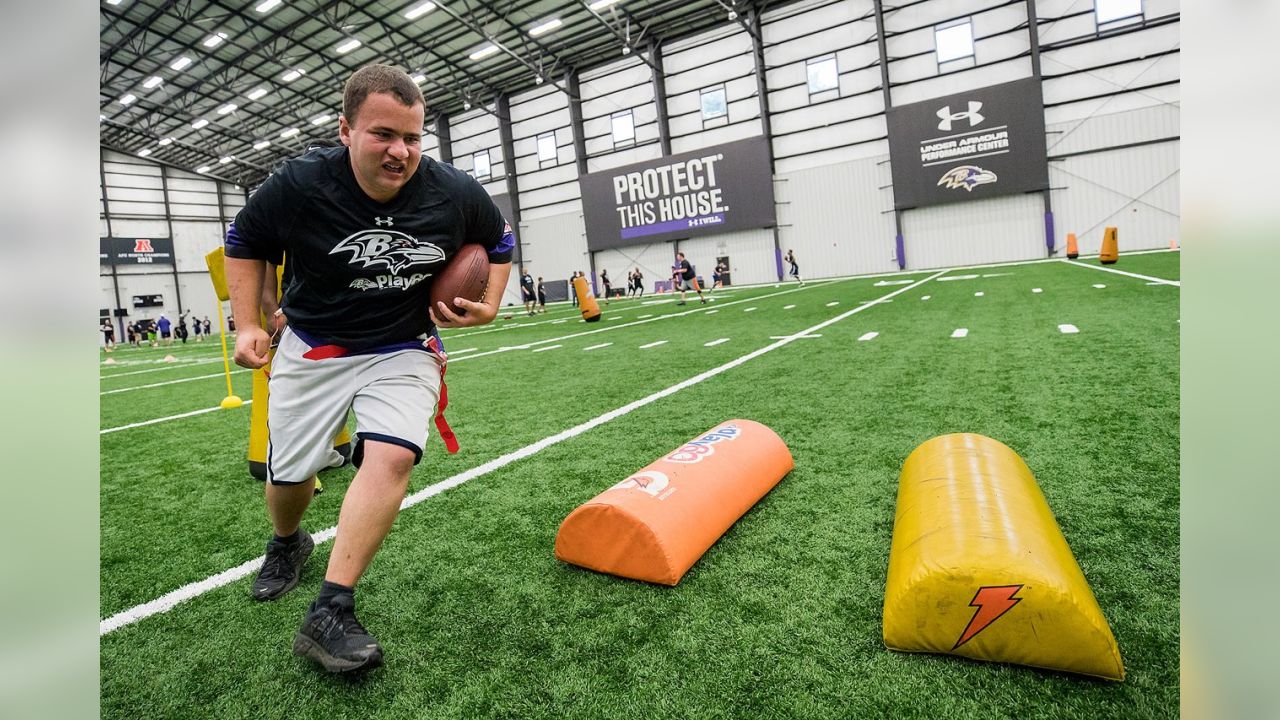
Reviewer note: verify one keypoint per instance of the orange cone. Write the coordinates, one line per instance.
(1173, 243)
(1073, 248)
(1110, 247)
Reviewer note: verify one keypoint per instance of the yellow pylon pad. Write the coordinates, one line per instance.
(979, 568)
(216, 261)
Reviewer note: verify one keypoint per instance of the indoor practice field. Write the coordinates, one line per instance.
(781, 617)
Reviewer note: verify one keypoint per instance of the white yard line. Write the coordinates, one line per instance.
(788, 307)
(167, 602)
(166, 419)
(597, 347)
(1036, 290)
(750, 309)
(549, 347)
(653, 344)
(869, 336)
(170, 382)
(960, 332)
(713, 343)
(712, 312)
(1068, 329)
(926, 297)
(1161, 281)
(979, 294)
(833, 303)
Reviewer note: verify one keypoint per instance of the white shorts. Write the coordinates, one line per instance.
(393, 396)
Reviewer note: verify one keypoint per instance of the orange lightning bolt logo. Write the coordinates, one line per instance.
(992, 601)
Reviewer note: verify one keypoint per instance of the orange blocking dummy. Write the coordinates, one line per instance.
(979, 568)
(586, 301)
(1110, 247)
(1073, 248)
(654, 525)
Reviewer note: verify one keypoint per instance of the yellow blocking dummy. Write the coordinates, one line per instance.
(979, 568)
(586, 301)
(1110, 247)
(655, 524)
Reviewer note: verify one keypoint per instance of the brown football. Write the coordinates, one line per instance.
(465, 276)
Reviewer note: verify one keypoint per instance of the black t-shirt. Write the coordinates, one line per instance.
(526, 283)
(686, 270)
(359, 271)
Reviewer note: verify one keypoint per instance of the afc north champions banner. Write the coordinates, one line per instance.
(702, 192)
(971, 145)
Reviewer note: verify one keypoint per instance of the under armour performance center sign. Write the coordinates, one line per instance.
(976, 144)
(703, 192)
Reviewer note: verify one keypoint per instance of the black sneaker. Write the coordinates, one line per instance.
(681, 303)
(332, 636)
(282, 568)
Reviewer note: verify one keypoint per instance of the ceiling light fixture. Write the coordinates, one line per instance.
(152, 81)
(199, 123)
(180, 63)
(419, 78)
(348, 46)
(267, 6)
(214, 39)
(228, 108)
(545, 27)
(130, 97)
(484, 52)
(165, 141)
(419, 10)
(227, 159)
(261, 144)
(601, 4)
(293, 74)
(144, 152)
(289, 133)
(320, 120)
(202, 169)
(256, 93)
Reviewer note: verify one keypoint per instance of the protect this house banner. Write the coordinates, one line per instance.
(703, 192)
(971, 145)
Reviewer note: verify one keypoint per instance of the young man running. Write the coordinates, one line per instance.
(365, 226)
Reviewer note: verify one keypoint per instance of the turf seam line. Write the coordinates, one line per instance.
(168, 382)
(169, 600)
(1160, 281)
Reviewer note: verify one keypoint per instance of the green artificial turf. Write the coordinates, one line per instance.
(781, 617)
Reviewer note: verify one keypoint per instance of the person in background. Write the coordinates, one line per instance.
(795, 268)
(608, 288)
(685, 278)
(208, 326)
(527, 294)
(108, 334)
(542, 296)
(198, 327)
(182, 327)
(151, 333)
(573, 291)
(639, 283)
(166, 330)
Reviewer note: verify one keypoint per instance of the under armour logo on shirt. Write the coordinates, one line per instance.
(382, 221)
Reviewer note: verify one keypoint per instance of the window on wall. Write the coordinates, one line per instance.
(624, 128)
(714, 103)
(1117, 12)
(824, 74)
(953, 42)
(547, 149)
(480, 164)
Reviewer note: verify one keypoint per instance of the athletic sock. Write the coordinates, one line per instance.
(289, 539)
(331, 590)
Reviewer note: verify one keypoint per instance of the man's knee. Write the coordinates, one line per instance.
(391, 458)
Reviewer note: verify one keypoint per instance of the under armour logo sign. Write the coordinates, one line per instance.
(379, 221)
(947, 117)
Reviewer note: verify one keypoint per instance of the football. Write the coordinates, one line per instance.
(465, 275)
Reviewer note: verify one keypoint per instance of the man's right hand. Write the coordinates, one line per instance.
(252, 345)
